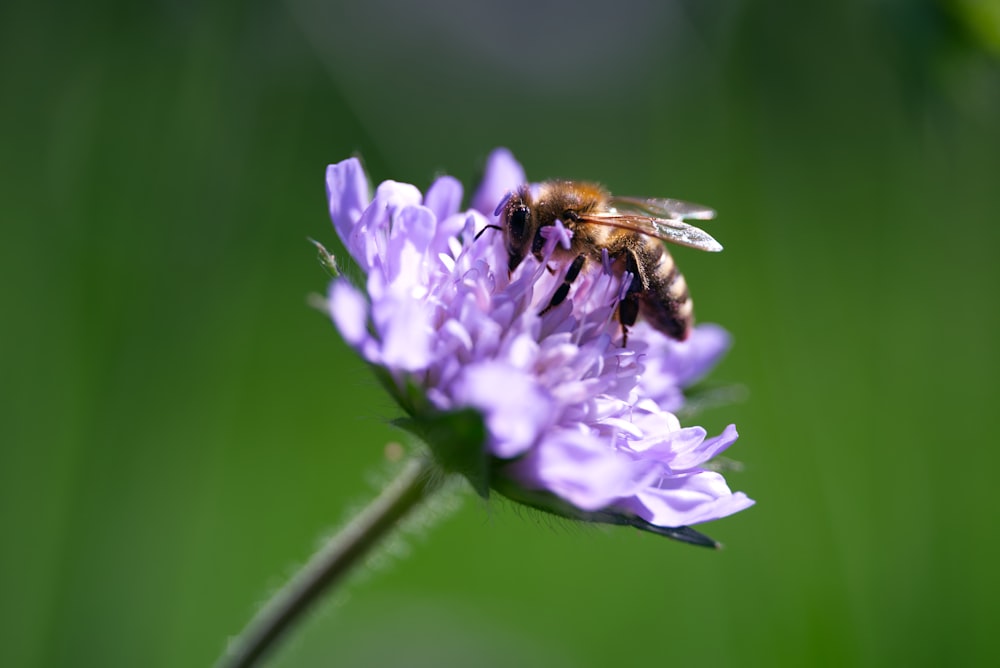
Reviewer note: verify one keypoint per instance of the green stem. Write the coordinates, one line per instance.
(416, 482)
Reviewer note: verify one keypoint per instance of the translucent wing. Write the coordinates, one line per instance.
(663, 208)
(668, 229)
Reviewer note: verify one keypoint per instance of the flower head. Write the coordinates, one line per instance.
(574, 422)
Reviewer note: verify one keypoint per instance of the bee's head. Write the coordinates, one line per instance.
(519, 226)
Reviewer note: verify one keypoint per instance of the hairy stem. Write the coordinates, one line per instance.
(416, 482)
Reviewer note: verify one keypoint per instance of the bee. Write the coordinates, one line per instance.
(629, 229)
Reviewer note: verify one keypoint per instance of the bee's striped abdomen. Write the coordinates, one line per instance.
(667, 303)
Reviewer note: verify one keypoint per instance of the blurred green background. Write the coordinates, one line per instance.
(179, 428)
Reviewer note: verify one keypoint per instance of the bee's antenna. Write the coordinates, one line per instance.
(503, 202)
(488, 227)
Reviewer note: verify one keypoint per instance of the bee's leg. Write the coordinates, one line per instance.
(628, 312)
(563, 290)
(628, 307)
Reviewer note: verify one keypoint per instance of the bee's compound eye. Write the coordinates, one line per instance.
(518, 221)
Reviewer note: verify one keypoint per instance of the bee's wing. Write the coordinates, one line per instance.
(664, 207)
(668, 229)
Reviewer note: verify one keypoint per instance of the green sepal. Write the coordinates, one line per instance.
(705, 396)
(326, 259)
(457, 440)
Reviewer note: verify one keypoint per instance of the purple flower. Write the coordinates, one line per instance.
(575, 423)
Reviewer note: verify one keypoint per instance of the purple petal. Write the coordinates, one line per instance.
(701, 352)
(408, 246)
(349, 311)
(712, 447)
(503, 174)
(582, 469)
(668, 445)
(673, 365)
(687, 499)
(406, 333)
(467, 222)
(347, 194)
(516, 409)
(686, 449)
(369, 236)
(562, 234)
(444, 197)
